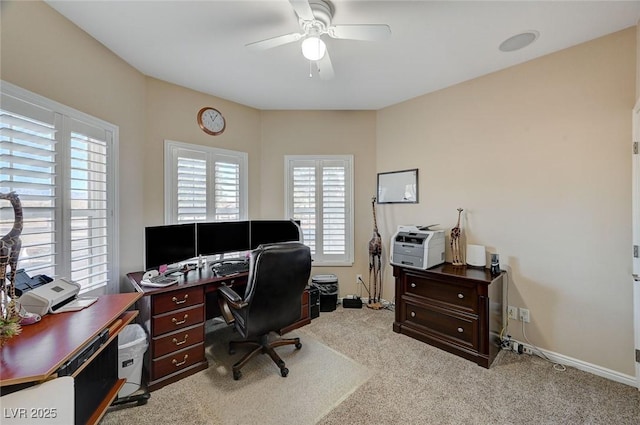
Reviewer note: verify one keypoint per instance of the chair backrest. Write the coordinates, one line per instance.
(278, 274)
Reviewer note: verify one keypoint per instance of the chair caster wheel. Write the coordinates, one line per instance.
(236, 375)
(298, 346)
(284, 372)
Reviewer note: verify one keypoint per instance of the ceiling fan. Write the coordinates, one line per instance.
(314, 17)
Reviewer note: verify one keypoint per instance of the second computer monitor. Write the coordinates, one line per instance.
(223, 237)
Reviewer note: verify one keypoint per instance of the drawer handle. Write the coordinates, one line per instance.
(413, 314)
(176, 342)
(460, 330)
(177, 322)
(178, 302)
(177, 363)
(461, 296)
(413, 285)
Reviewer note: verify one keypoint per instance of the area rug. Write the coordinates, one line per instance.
(319, 379)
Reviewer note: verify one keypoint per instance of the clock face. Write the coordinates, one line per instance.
(211, 121)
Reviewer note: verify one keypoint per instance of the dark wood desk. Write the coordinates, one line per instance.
(37, 353)
(175, 316)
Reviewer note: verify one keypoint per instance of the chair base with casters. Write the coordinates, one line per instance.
(262, 346)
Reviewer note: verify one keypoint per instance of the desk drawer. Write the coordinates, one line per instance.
(459, 296)
(443, 324)
(177, 340)
(177, 299)
(177, 361)
(178, 319)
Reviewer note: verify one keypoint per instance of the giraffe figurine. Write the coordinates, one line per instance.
(10, 245)
(455, 243)
(375, 262)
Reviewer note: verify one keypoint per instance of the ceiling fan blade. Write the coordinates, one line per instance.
(325, 68)
(303, 9)
(274, 41)
(371, 32)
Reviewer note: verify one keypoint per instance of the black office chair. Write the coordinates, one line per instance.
(278, 274)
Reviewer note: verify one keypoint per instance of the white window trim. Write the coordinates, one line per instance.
(113, 284)
(288, 192)
(170, 177)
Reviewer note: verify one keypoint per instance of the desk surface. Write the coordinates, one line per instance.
(43, 347)
(197, 277)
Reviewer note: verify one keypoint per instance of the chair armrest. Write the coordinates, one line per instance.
(234, 300)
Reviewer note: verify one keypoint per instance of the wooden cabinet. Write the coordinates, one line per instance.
(455, 308)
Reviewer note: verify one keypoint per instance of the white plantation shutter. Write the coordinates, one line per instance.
(319, 194)
(204, 184)
(60, 163)
(89, 204)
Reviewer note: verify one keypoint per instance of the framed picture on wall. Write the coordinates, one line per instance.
(398, 187)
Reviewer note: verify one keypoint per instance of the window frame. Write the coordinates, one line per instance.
(319, 259)
(171, 178)
(64, 118)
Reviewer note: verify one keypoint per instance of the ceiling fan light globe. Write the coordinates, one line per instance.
(313, 48)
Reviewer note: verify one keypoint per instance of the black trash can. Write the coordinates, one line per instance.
(327, 285)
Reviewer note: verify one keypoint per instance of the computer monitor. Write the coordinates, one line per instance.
(222, 237)
(272, 231)
(169, 244)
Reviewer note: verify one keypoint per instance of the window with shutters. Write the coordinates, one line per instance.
(204, 184)
(61, 164)
(319, 193)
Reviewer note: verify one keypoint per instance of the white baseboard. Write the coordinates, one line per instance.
(584, 366)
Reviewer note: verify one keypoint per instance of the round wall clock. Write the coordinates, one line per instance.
(211, 121)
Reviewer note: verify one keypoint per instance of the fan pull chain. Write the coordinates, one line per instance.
(310, 70)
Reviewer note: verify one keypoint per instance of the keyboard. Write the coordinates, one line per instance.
(230, 268)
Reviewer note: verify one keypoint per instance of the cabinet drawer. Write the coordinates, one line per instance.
(459, 296)
(177, 361)
(177, 340)
(177, 299)
(444, 324)
(178, 319)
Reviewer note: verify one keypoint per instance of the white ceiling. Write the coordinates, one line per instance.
(434, 44)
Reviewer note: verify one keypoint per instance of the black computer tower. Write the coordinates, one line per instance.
(314, 302)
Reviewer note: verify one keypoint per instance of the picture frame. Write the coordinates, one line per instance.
(398, 187)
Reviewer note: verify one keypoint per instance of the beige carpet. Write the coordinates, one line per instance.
(319, 379)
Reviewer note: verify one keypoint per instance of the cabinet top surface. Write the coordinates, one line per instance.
(479, 274)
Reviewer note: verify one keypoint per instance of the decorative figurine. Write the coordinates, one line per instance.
(455, 243)
(10, 245)
(375, 263)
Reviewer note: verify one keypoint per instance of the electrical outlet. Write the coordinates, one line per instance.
(527, 350)
(524, 315)
(359, 279)
(512, 312)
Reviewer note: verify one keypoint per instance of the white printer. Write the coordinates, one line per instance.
(416, 247)
(54, 297)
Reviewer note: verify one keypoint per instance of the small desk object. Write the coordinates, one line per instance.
(81, 346)
(174, 317)
(455, 308)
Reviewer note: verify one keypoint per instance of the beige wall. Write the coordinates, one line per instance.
(538, 156)
(171, 115)
(46, 54)
(323, 133)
